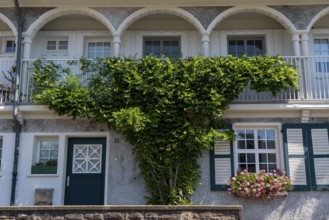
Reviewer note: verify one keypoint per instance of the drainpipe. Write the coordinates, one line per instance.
(16, 101)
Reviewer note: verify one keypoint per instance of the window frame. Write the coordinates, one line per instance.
(322, 60)
(4, 43)
(96, 39)
(38, 148)
(162, 39)
(245, 38)
(278, 143)
(57, 41)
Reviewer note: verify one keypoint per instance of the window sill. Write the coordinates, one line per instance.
(43, 175)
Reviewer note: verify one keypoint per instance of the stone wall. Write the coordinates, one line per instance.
(122, 212)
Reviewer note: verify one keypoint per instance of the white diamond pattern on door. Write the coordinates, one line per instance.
(87, 158)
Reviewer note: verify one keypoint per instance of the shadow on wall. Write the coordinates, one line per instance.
(307, 205)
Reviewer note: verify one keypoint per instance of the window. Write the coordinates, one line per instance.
(159, 47)
(98, 50)
(321, 48)
(48, 150)
(256, 150)
(10, 46)
(249, 46)
(57, 45)
(46, 155)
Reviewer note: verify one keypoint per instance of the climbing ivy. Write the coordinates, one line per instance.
(169, 110)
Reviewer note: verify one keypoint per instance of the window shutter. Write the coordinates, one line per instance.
(221, 164)
(296, 155)
(320, 156)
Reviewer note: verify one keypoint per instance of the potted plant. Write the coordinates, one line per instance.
(49, 167)
(260, 185)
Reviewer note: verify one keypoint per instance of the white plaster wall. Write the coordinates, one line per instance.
(27, 182)
(77, 43)
(277, 41)
(6, 167)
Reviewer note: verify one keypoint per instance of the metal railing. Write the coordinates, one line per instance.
(7, 77)
(313, 80)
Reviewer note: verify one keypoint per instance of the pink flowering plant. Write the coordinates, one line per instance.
(261, 185)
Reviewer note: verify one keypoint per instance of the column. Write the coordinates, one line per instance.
(205, 45)
(116, 45)
(295, 42)
(27, 47)
(305, 48)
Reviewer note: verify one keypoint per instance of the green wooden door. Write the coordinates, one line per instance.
(85, 170)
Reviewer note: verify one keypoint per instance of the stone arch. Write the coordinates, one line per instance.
(317, 17)
(8, 22)
(149, 11)
(58, 12)
(262, 10)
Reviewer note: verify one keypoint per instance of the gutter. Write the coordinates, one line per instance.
(16, 101)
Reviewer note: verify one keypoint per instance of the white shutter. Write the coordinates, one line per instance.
(296, 157)
(320, 145)
(222, 164)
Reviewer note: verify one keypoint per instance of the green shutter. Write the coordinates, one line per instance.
(297, 155)
(221, 164)
(319, 153)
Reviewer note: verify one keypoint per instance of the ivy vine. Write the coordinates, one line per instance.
(169, 110)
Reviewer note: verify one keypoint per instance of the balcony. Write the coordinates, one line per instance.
(313, 81)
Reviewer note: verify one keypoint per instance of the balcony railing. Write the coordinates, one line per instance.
(313, 81)
(7, 77)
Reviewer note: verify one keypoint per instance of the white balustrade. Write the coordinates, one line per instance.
(313, 80)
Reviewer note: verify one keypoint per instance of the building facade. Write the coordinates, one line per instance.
(288, 131)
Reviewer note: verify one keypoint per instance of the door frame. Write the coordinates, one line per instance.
(91, 135)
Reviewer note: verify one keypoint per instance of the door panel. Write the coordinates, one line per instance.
(85, 171)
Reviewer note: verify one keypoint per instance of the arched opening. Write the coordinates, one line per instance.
(172, 33)
(250, 33)
(7, 57)
(71, 37)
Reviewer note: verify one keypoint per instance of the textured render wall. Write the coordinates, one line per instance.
(300, 16)
(116, 15)
(295, 206)
(10, 13)
(125, 185)
(62, 125)
(205, 14)
(32, 14)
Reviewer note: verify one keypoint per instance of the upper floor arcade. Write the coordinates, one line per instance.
(298, 32)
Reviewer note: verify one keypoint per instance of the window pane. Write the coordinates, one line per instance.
(63, 45)
(261, 144)
(51, 45)
(261, 134)
(10, 46)
(263, 167)
(262, 158)
(252, 168)
(241, 144)
(242, 158)
(250, 134)
(270, 134)
(271, 158)
(240, 134)
(242, 166)
(272, 167)
(44, 154)
(250, 144)
(271, 144)
(91, 47)
(251, 158)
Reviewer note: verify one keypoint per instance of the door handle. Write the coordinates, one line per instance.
(67, 181)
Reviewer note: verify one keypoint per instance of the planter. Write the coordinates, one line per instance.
(44, 169)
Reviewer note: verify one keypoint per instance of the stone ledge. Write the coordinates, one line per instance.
(122, 212)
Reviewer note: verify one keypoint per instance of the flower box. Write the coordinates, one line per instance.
(44, 169)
